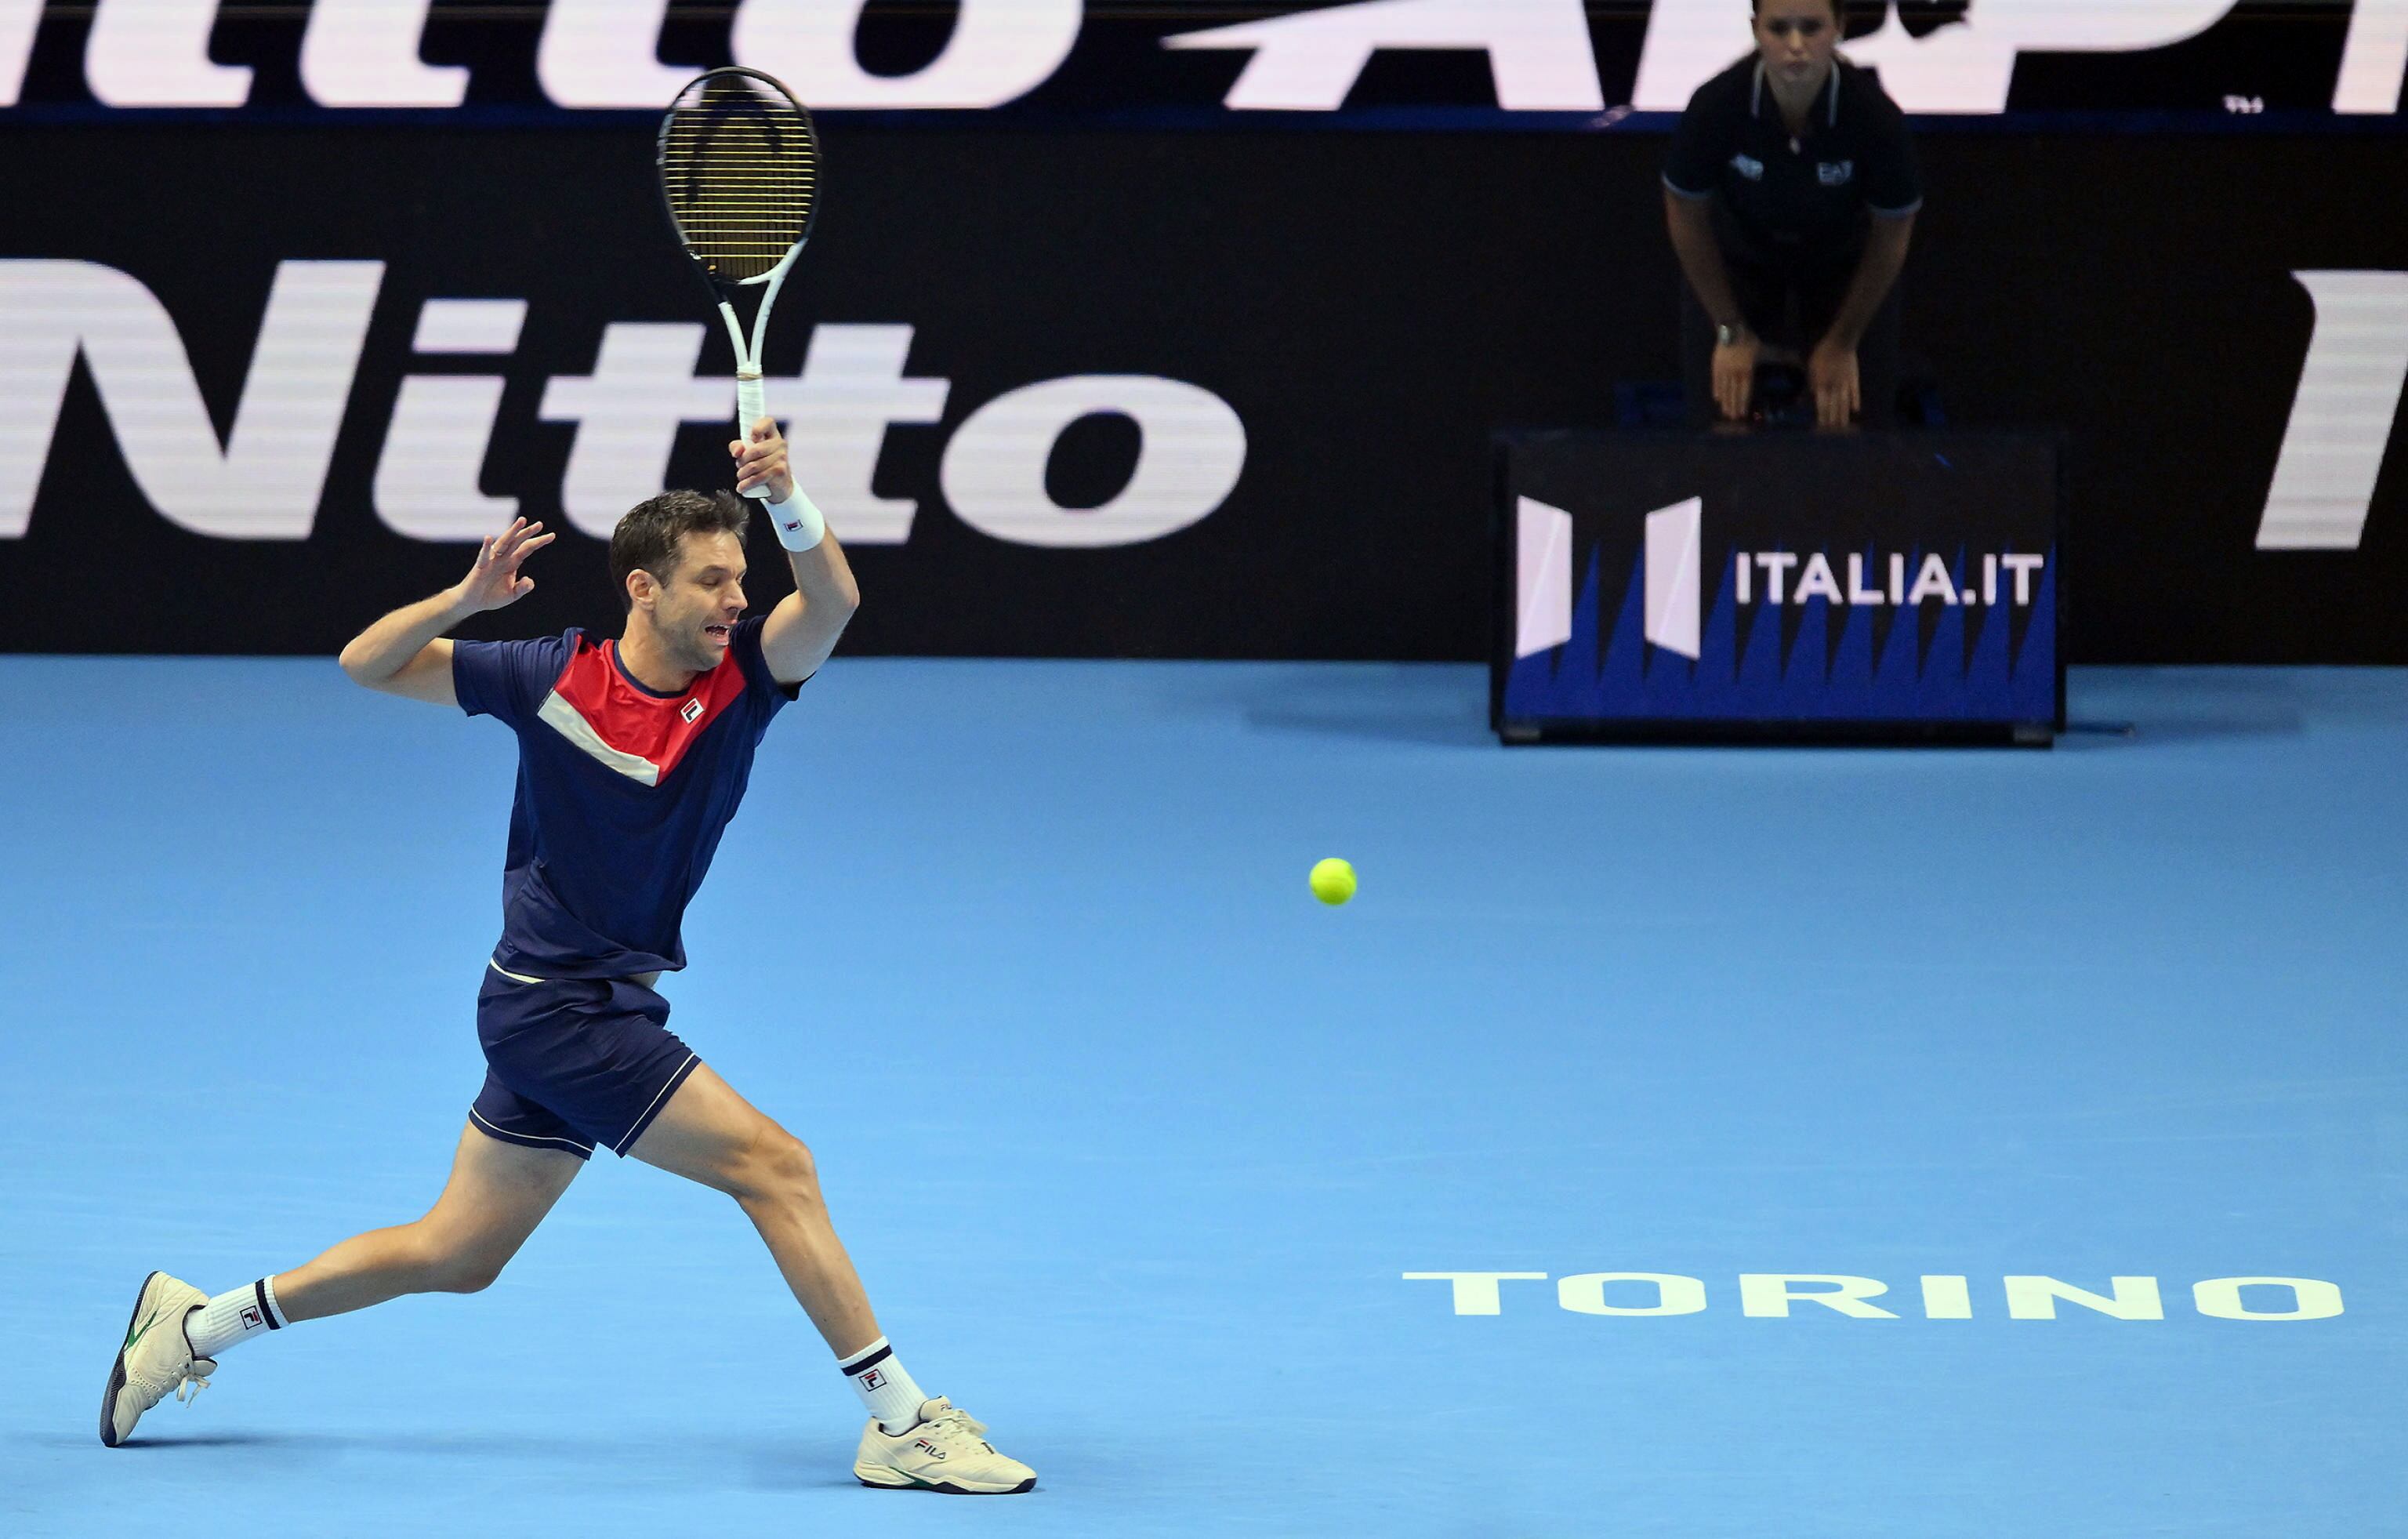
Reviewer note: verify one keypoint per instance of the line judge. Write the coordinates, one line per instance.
(1791, 192)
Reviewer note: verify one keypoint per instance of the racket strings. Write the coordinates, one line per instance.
(739, 164)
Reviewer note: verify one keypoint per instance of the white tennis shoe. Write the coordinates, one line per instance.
(946, 1452)
(155, 1358)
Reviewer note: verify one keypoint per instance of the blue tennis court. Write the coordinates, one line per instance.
(1135, 1143)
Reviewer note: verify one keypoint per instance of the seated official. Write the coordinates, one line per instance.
(1791, 192)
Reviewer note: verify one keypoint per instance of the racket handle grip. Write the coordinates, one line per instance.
(752, 405)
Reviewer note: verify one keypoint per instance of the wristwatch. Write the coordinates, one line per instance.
(1728, 335)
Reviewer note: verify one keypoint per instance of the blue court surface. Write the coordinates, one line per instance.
(1135, 1143)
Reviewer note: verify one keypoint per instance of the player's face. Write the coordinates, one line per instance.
(1795, 38)
(698, 612)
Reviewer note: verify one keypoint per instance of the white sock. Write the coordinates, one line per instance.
(878, 1377)
(234, 1317)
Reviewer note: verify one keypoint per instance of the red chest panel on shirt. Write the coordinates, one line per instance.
(640, 735)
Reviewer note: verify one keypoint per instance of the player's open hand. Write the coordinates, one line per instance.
(495, 579)
(763, 462)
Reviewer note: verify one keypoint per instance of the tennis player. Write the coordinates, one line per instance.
(632, 754)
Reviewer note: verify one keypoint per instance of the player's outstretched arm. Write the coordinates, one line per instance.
(803, 630)
(407, 653)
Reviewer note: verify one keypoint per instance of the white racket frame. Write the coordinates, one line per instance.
(752, 400)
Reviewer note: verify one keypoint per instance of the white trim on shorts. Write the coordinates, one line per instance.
(643, 1118)
(507, 1137)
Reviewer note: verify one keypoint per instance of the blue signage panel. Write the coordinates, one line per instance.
(1778, 585)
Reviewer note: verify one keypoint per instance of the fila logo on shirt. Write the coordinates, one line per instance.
(690, 709)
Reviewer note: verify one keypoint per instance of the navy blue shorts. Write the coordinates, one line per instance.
(574, 1062)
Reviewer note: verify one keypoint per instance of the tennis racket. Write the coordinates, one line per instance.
(740, 178)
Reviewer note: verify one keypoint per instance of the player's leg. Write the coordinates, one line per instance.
(497, 1195)
(709, 1133)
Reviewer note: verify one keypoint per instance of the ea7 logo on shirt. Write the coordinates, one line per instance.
(690, 709)
(1748, 166)
(1835, 173)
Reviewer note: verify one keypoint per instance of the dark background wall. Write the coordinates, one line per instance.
(1371, 302)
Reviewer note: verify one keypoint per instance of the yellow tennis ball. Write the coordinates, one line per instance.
(1333, 881)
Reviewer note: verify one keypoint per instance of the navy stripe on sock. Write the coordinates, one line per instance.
(266, 1310)
(870, 1362)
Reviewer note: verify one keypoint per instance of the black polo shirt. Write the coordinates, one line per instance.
(1799, 204)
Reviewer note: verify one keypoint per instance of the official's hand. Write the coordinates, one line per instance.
(495, 581)
(1831, 374)
(763, 461)
(1735, 376)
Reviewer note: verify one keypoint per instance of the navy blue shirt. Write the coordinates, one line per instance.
(623, 792)
(1798, 203)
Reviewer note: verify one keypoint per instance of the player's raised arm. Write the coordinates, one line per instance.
(803, 630)
(407, 653)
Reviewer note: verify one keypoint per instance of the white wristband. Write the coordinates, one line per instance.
(798, 524)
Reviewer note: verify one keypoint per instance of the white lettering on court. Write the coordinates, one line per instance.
(1770, 1294)
(1584, 1293)
(2221, 1299)
(1475, 1293)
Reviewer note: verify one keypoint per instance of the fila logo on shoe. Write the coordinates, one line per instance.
(690, 709)
(927, 1448)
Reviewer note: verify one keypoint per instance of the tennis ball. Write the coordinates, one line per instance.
(1333, 881)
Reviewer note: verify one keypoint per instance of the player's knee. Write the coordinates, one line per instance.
(778, 1167)
(462, 1272)
(468, 1277)
(449, 1264)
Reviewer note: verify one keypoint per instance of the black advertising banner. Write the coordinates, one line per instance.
(1194, 63)
(1779, 585)
(1123, 391)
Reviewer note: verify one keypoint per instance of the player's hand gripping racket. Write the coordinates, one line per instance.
(740, 177)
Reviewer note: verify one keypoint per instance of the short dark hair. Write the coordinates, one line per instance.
(649, 536)
(1838, 9)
